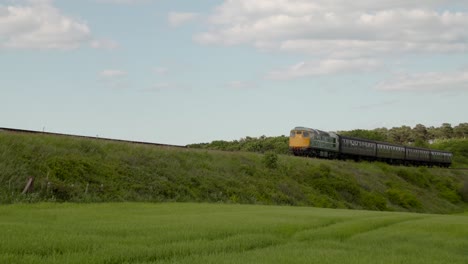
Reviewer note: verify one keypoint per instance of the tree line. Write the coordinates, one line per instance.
(252, 144)
(419, 136)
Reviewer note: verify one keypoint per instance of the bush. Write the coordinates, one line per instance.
(338, 188)
(450, 195)
(270, 159)
(373, 201)
(403, 198)
(417, 178)
(447, 189)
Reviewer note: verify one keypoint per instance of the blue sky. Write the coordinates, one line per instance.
(182, 72)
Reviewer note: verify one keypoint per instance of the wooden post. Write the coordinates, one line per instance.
(86, 190)
(29, 185)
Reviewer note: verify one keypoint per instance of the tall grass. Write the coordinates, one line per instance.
(214, 233)
(84, 170)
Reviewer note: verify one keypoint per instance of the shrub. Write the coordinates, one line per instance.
(447, 189)
(337, 188)
(450, 195)
(373, 201)
(403, 198)
(418, 178)
(270, 159)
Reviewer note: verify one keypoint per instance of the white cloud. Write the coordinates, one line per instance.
(38, 24)
(292, 25)
(433, 81)
(324, 67)
(107, 44)
(176, 19)
(112, 73)
(339, 30)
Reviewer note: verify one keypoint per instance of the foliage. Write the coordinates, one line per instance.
(419, 135)
(270, 159)
(459, 148)
(262, 144)
(403, 198)
(374, 201)
(367, 134)
(70, 169)
(419, 178)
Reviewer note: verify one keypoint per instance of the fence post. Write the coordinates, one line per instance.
(29, 185)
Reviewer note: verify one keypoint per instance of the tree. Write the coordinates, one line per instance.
(383, 131)
(400, 135)
(432, 133)
(367, 134)
(461, 131)
(446, 131)
(419, 133)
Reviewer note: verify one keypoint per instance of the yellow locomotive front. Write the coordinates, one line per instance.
(299, 141)
(305, 141)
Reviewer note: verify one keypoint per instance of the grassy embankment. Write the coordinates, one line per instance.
(83, 170)
(216, 233)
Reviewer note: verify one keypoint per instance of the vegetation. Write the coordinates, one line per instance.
(262, 144)
(444, 138)
(459, 147)
(84, 170)
(419, 135)
(215, 233)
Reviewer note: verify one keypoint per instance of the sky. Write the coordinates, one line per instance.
(181, 72)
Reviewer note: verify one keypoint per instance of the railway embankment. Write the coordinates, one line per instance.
(67, 169)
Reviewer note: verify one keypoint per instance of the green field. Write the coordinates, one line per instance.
(219, 233)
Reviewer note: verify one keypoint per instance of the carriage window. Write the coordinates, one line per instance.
(305, 134)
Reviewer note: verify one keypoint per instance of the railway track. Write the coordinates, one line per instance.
(22, 131)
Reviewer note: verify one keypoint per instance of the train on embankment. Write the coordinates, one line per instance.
(310, 142)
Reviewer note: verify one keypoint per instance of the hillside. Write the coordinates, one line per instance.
(86, 170)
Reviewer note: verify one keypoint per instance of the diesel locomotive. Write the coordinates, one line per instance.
(310, 142)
